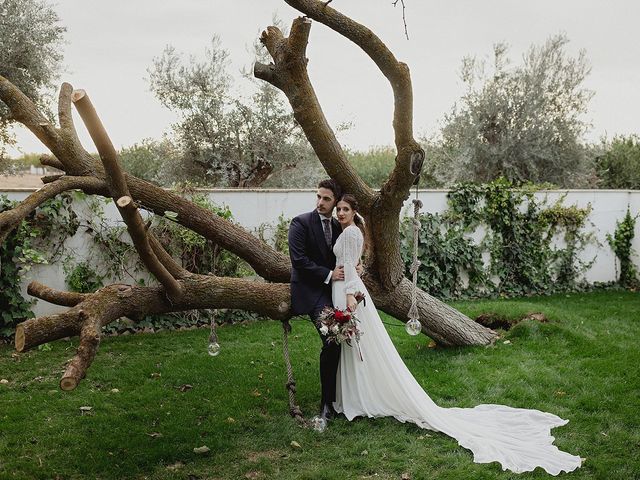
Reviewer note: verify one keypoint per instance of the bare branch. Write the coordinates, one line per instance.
(64, 110)
(289, 74)
(120, 191)
(404, 18)
(115, 178)
(24, 111)
(51, 178)
(77, 368)
(61, 143)
(272, 38)
(51, 161)
(397, 73)
(266, 73)
(118, 300)
(10, 219)
(299, 37)
(57, 297)
(36, 331)
(266, 261)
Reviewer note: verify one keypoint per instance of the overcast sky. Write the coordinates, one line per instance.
(111, 44)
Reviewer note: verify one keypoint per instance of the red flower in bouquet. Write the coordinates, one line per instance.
(342, 316)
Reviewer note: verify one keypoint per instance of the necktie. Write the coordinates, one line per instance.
(327, 231)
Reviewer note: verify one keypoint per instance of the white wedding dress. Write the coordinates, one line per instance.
(380, 385)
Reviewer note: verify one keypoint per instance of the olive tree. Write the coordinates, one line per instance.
(31, 41)
(522, 122)
(223, 139)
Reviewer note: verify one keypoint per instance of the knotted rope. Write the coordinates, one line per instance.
(294, 409)
(415, 264)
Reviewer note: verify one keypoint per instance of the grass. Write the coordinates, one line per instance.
(582, 365)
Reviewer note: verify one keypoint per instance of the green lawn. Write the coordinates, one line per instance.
(582, 365)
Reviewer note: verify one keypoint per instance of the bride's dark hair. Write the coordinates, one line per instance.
(357, 219)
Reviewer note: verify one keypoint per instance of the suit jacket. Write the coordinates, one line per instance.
(311, 261)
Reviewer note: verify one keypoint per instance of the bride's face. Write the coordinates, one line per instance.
(345, 213)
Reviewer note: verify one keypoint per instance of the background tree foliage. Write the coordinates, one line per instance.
(222, 138)
(618, 166)
(153, 160)
(30, 55)
(520, 122)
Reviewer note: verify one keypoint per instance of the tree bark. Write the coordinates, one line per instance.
(442, 323)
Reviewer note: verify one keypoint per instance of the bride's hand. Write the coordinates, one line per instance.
(352, 303)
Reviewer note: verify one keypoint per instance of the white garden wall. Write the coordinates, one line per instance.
(253, 208)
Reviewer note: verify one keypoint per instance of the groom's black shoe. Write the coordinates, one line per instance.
(328, 412)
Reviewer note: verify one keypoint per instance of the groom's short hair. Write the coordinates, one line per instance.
(331, 184)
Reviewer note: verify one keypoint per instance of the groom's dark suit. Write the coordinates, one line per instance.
(312, 261)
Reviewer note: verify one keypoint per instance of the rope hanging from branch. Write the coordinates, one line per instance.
(413, 326)
(294, 409)
(415, 264)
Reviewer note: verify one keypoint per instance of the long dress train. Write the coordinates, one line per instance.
(381, 385)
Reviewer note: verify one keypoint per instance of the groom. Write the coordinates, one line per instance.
(313, 268)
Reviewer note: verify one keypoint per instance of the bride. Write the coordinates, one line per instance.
(380, 385)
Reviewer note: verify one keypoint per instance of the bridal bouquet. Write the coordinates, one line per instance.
(341, 326)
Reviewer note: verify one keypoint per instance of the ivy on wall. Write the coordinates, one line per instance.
(38, 239)
(620, 243)
(517, 243)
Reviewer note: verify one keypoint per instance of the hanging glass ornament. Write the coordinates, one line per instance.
(413, 327)
(214, 348)
(319, 424)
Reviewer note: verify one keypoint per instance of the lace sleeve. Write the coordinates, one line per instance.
(351, 250)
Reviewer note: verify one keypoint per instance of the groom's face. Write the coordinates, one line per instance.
(325, 201)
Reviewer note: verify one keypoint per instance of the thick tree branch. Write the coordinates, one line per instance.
(298, 39)
(120, 192)
(396, 72)
(265, 260)
(57, 297)
(23, 110)
(289, 74)
(458, 329)
(10, 219)
(266, 73)
(114, 301)
(51, 161)
(138, 235)
(90, 334)
(64, 111)
(114, 176)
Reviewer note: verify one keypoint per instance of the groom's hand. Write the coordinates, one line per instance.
(338, 273)
(359, 269)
